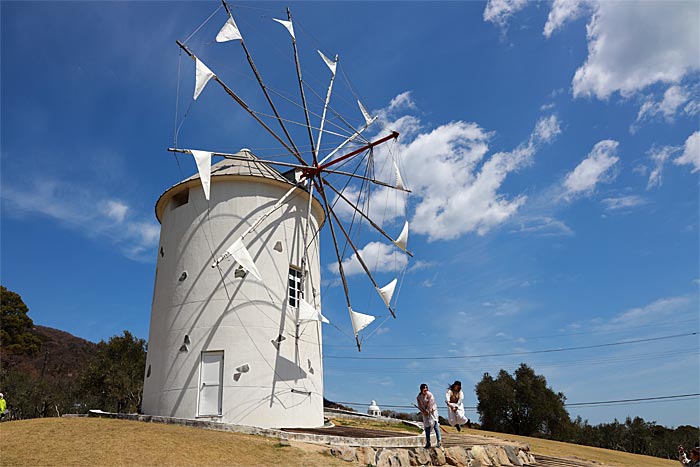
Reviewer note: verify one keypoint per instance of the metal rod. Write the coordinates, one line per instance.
(393, 135)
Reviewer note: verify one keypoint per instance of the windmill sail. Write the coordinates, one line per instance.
(365, 114)
(403, 238)
(387, 291)
(331, 64)
(229, 32)
(240, 254)
(204, 74)
(203, 160)
(308, 313)
(399, 181)
(360, 321)
(286, 24)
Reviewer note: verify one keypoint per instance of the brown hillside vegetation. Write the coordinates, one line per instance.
(58, 442)
(62, 355)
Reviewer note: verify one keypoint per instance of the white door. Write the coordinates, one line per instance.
(211, 374)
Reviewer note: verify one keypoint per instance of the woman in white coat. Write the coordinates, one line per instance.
(455, 405)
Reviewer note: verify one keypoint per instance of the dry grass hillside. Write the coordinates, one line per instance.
(104, 442)
(575, 451)
(91, 442)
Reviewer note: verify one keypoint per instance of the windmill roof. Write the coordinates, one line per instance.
(252, 167)
(245, 164)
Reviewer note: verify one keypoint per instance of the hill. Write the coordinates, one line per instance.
(47, 382)
(62, 355)
(57, 442)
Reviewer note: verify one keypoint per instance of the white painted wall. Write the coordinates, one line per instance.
(237, 316)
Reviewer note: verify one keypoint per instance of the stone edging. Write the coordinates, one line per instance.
(402, 441)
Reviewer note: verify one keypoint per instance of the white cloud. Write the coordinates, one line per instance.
(547, 129)
(86, 212)
(653, 312)
(632, 45)
(379, 257)
(659, 155)
(691, 152)
(500, 11)
(114, 210)
(543, 226)
(623, 202)
(403, 101)
(457, 187)
(561, 12)
(596, 168)
(421, 265)
(672, 103)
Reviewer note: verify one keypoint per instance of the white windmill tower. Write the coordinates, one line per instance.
(238, 336)
(235, 332)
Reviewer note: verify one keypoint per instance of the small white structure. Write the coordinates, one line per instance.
(374, 409)
(224, 344)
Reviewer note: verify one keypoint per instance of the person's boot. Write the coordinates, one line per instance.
(459, 428)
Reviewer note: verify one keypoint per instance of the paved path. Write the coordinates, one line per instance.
(351, 432)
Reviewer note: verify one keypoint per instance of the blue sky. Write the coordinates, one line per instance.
(552, 149)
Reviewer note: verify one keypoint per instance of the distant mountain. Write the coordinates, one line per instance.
(62, 355)
(335, 405)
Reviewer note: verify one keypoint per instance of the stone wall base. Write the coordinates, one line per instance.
(459, 456)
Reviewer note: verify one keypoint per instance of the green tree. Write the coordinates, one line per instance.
(113, 381)
(16, 327)
(496, 401)
(522, 405)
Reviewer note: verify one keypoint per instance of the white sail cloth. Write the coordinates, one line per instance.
(286, 24)
(229, 32)
(387, 292)
(308, 313)
(331, 64)
(203, 75)
(203, 160)
(365, 114)
(403, 238)
(398, 183)
(240, 254)
(360, 321)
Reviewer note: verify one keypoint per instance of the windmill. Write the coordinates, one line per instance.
(236, 321)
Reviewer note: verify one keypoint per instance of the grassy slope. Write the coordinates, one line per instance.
(599, 455)
(100, 442)
(376, 424)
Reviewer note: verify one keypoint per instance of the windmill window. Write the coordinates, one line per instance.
(296, 291)
(179, 199)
